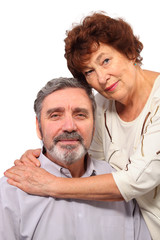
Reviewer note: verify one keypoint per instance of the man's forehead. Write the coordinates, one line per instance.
(72, 90)
(71, 97)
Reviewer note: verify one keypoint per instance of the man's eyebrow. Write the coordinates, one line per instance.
(56, 109)
(61, 109)
(78, 109)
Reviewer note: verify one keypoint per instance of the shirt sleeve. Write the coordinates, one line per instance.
(9, 219)
(142, 174)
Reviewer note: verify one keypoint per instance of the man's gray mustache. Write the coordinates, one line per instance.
(70, 136)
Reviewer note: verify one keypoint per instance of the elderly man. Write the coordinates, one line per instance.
(65, 123)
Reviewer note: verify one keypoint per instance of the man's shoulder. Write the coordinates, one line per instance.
(8, 195)
(3, 182)
(5, 186)
(9, 192)
(101, 167)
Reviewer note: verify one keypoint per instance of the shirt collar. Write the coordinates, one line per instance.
(59, 171)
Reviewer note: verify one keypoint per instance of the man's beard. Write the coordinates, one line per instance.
(67, 154)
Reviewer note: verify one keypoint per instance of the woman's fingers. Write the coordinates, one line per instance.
(30, 179)
(29, 158)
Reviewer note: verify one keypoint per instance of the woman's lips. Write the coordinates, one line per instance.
(112, 87)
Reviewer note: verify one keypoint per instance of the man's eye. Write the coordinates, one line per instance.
(55, 116)
(81, 116)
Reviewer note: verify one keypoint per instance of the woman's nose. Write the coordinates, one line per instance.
(102, 76)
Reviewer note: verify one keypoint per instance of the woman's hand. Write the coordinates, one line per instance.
(29, 158)
(31, 179)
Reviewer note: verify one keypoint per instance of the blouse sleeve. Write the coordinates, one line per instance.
(142, 174)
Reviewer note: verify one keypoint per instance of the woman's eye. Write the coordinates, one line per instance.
(87, 73)
(106, 61)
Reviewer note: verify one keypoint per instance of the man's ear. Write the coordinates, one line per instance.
(38, 129)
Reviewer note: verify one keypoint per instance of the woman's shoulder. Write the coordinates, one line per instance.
(153, 80)
(152, 77)
(156, 88)
(101, 101)
(153, 104)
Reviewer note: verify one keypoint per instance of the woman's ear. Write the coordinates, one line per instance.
(38, 129)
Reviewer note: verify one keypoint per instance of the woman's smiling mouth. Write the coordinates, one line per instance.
(112, 87)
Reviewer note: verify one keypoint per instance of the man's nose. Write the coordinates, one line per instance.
(69, 124)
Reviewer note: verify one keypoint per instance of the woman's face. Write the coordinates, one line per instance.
(111, 73)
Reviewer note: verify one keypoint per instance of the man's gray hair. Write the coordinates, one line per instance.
(58, 84)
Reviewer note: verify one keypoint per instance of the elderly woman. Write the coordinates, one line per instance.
(104, 52)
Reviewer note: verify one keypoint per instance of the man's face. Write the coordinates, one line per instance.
(66, 125)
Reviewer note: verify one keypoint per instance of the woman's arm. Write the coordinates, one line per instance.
(142, 169)
(29, 158)
(37, 181)
(142, 174)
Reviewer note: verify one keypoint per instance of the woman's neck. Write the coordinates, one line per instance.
(143, 87)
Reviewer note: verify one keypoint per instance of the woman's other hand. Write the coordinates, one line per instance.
(29, 158)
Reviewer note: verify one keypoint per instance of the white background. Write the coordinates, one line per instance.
(32, 53)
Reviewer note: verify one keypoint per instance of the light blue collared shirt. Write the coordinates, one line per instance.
(28, 217)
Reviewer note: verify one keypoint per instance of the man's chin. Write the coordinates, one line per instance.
(68, 147)
(67, 153)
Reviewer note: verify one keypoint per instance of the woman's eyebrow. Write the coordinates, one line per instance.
(97, 60)
(99, 57)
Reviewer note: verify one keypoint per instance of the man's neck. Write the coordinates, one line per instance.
(77, 169)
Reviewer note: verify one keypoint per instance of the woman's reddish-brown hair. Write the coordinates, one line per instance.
(95, 29)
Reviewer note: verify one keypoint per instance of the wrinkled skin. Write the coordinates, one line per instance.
(30, 179)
